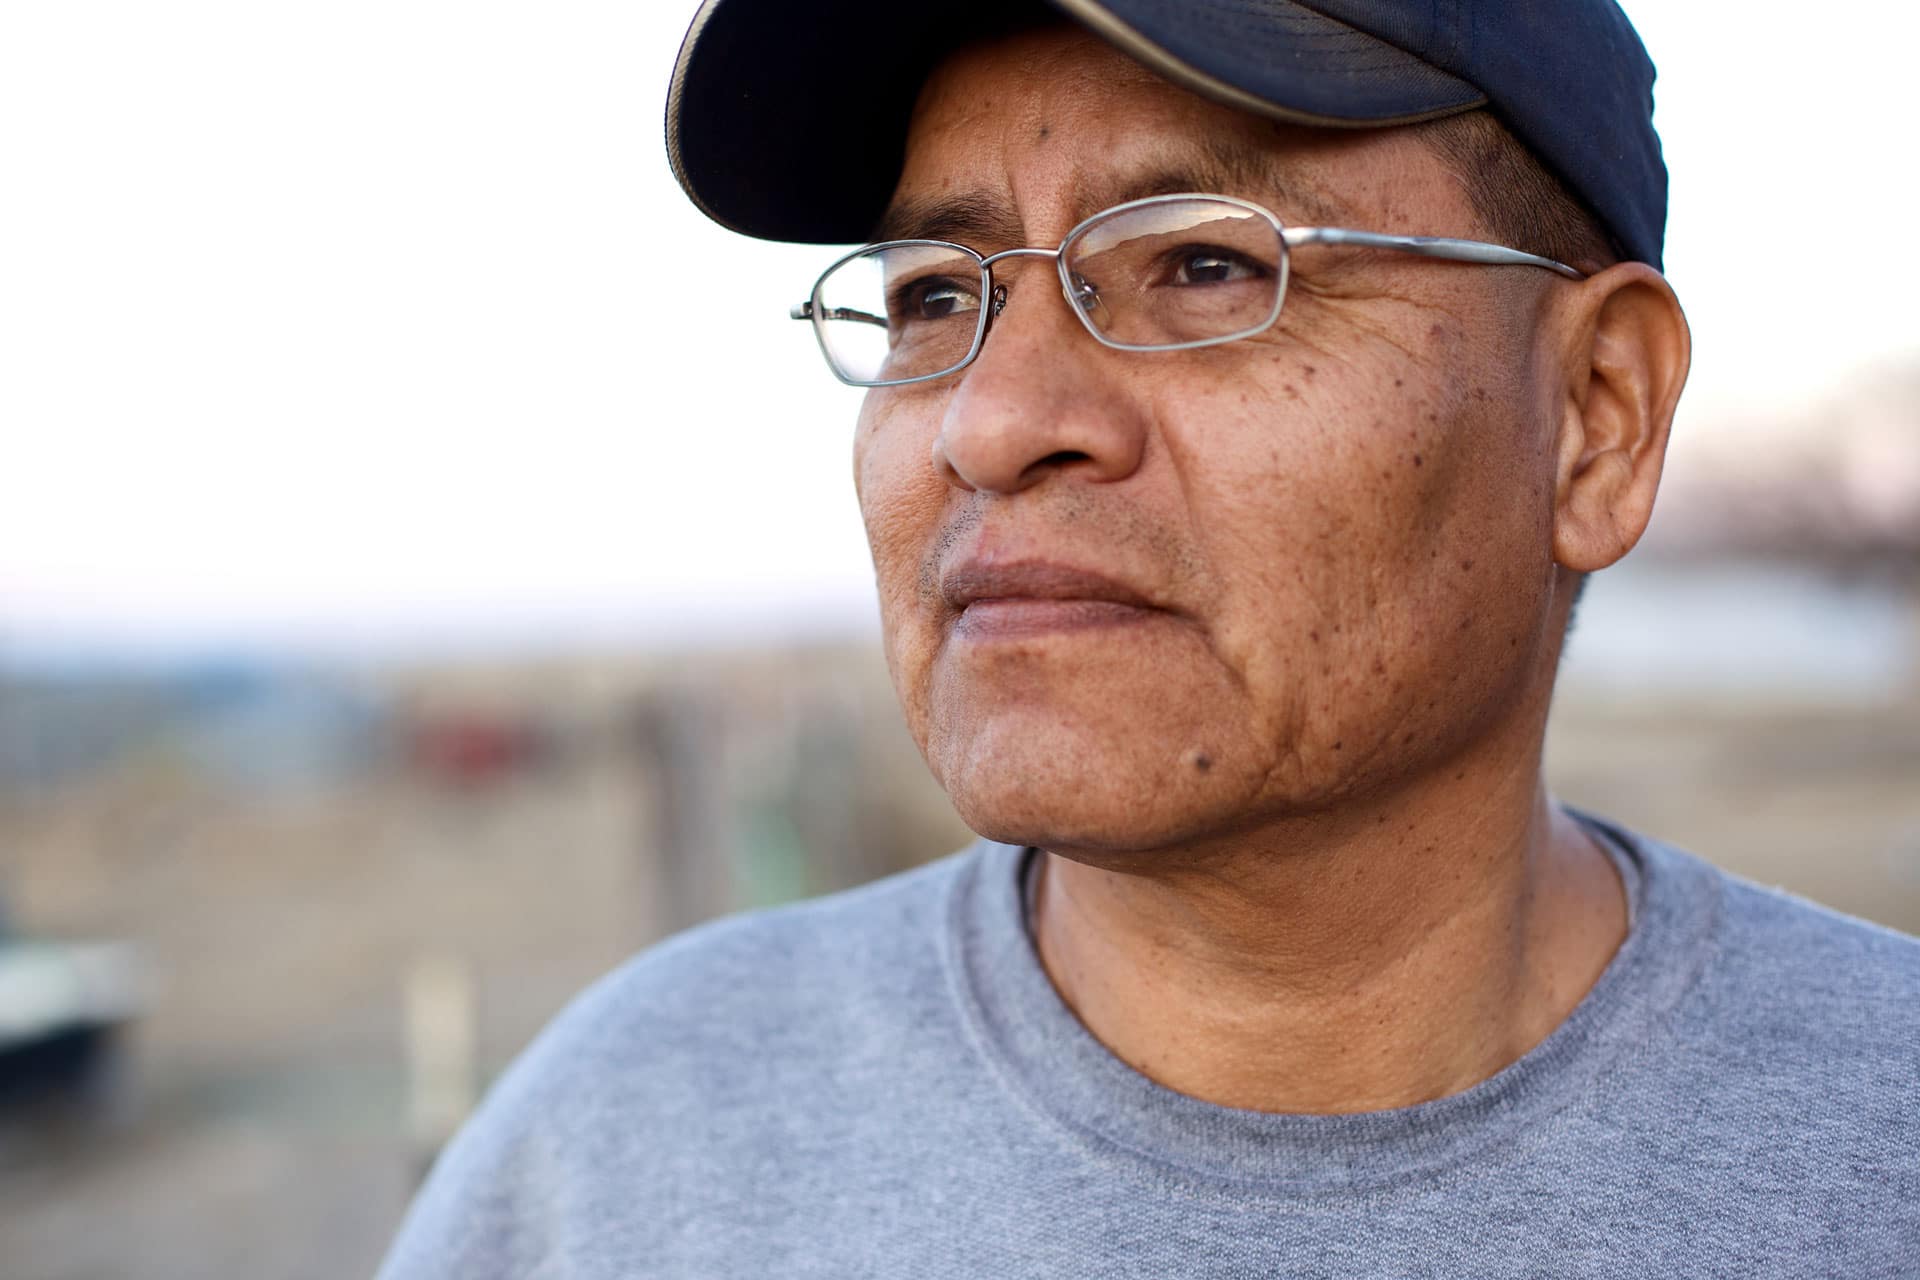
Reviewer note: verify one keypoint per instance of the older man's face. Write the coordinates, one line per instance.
(1139, 599)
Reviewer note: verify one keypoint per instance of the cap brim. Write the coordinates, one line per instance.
(788, 121)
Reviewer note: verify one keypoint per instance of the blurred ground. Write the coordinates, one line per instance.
(512, 821)
(268, 1135)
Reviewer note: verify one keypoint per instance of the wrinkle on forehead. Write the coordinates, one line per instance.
(1058, 117)
(988, 219)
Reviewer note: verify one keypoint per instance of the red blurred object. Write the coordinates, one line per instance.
(474, 750)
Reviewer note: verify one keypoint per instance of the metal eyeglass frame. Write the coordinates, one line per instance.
(1290, 238)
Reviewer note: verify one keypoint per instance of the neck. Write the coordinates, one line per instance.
(1385, 956)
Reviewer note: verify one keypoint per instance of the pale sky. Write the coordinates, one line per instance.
(383, 322)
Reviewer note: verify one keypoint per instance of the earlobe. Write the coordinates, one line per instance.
(1627, 362)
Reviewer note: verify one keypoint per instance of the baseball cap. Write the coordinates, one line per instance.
(787, 120)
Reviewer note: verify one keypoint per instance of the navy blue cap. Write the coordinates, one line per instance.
(787, 120)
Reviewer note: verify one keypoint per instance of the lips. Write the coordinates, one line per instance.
(1031, 597)
(968, 583)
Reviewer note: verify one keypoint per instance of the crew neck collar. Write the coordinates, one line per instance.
(1044, 1055)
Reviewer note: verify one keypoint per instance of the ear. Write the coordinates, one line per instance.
(1627, 360)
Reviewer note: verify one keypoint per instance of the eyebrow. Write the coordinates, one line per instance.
(1226, 166)
(973, 216)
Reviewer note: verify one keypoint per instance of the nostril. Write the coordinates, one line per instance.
(1063, 457)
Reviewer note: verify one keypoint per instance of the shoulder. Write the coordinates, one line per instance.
(1762, 1071)
(716, 1004)
(1818, 964)
(835, 956)
(1811, 1016)
(699, 1060)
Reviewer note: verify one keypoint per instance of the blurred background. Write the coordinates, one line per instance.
(429, 572)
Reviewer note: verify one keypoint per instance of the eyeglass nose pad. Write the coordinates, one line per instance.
(1084, 296)
(999, 300)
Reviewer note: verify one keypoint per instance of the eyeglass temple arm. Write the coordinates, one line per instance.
(804, 311)
(1480, 251)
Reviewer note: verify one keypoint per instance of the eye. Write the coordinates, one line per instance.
(934, 298)
(1198, 265)
(943, 300)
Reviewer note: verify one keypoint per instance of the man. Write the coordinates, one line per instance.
(1232, 626)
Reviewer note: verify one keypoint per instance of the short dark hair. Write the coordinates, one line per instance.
(1515, 195)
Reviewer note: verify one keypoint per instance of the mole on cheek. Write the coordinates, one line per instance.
(1199, 759)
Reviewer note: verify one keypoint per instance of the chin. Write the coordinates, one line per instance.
(1097, 742)
(1038, 781)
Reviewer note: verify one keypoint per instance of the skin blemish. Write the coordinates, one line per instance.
(1418, 460)
(1046, 131)
(1338, 745)
(1307, 371)
(1466, 566)
(1203, 763)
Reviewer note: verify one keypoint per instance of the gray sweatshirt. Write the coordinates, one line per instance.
(884, 1083)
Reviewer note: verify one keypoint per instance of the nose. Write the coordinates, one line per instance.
(1040, 399)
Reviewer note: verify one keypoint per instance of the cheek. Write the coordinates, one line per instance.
(900, 496)
(1378, 550)
(902, 503)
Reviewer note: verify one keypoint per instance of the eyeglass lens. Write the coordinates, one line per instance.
(905, 311)
(1164, 274)
(1176, 272)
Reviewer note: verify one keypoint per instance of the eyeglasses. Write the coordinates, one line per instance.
(1168, 273)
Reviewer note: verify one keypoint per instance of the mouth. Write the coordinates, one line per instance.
(1030, 598)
